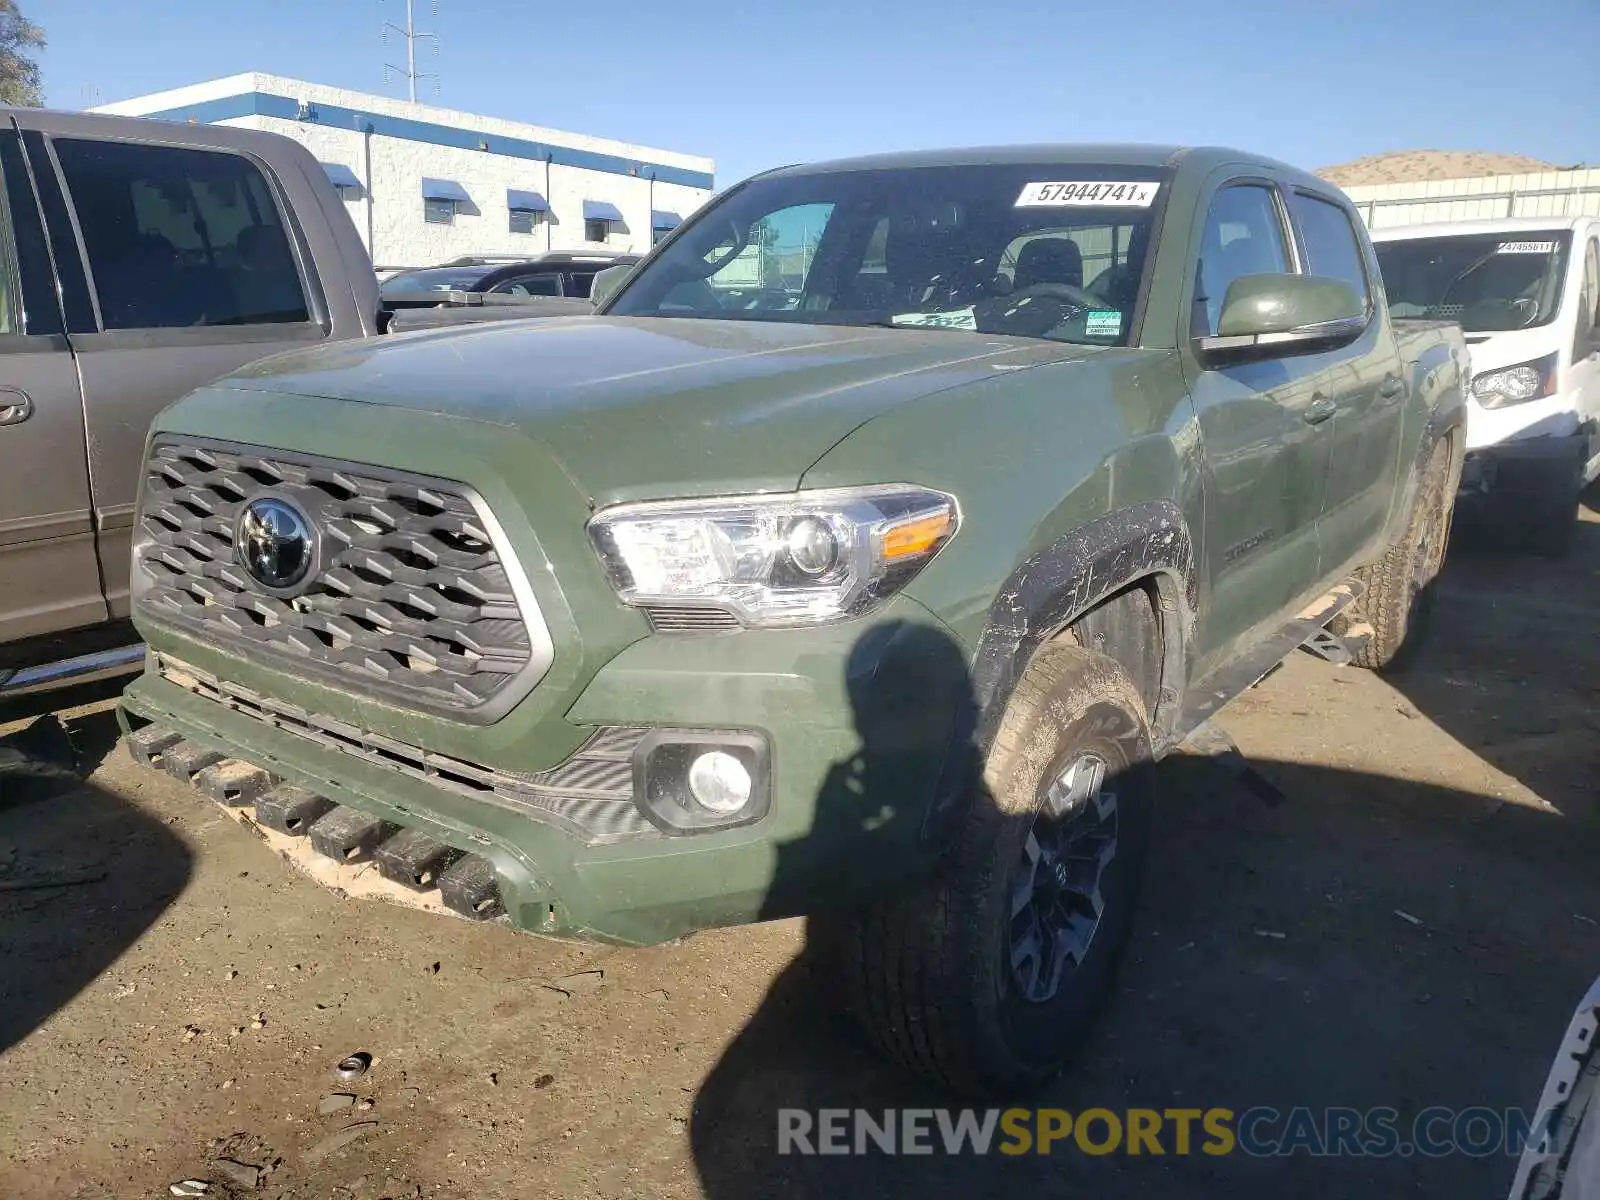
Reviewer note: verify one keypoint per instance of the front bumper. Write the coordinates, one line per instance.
(1524, 471)
(857, 717)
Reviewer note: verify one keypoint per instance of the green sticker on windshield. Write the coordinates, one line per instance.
(1103, 322)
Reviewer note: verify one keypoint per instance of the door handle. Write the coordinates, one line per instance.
(1391, 387)
(1320, 409)
(15, 406)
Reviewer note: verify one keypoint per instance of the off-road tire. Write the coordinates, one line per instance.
(928, 973)
(1398, 600)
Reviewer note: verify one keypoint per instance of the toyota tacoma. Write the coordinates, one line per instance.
(873, 597)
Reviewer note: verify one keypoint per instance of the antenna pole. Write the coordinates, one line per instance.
(412, 36)
(411, 52)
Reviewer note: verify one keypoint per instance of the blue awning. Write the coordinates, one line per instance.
(525, 201)
(660, 219)
(340, 175)
(444, 189)
(599, 210)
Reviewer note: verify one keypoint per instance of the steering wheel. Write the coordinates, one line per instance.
(1075, 296)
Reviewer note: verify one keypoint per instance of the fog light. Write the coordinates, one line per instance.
(720, 782)
(689, 781)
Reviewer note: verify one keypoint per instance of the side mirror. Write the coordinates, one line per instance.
(1266, 316)
(606, 283)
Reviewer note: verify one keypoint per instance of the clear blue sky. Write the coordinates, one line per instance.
(760, 84)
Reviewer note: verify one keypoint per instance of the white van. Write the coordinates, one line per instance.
(1526, 291)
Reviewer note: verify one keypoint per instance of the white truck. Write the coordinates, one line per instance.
(1526, 292)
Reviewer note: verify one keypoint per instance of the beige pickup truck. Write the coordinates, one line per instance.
(138, 260)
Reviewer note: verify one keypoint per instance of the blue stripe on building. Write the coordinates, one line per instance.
(264, 104)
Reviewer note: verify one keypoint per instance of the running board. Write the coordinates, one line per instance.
(1207, 698)
(85, 668)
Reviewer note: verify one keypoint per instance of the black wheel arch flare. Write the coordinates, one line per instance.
(1149, 543)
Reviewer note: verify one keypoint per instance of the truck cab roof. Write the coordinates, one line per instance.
(1194, 159)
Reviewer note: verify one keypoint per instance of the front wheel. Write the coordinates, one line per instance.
(985, 978)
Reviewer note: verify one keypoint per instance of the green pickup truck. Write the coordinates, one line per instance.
(868, 585)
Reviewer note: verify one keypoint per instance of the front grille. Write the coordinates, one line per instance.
(590, 795)
(414, 601)
(673, 619)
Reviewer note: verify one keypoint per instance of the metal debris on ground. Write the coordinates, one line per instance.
(37, 763)
(243, 1174)
(1215, 743)
(189, 1187)
(1408, 918)
(338, 1141)
(335, 1101)
(353, 1066)
(579, 983)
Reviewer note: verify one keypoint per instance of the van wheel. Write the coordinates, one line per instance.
(1399, 596)
(985, 978)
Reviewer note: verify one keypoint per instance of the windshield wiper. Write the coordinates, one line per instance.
(1468, 270)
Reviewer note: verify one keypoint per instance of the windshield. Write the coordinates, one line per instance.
(436, 279)
(1047, 251)
(1489, 282)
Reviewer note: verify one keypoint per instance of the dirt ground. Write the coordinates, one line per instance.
(186, 999)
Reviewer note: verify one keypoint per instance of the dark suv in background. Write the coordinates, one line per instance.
(555, 274)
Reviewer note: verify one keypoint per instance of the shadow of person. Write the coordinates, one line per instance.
(1368, 941)
(915, 720)
(83, 874)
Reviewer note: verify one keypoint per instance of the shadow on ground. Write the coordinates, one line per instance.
(1270, 967)
(82, 873)
(1509, 666)
(1355, 941)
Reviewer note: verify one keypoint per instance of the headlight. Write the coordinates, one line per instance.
(792, 559)
(1516, 385)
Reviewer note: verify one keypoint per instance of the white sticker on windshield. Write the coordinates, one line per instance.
(1088, 194)
(1525, 248)
(961, 318)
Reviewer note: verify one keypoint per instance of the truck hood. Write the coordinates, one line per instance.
(635, 408)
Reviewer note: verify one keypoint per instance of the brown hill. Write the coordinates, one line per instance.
(1411, 166)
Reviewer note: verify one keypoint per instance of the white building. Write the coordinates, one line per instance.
(1479, 197)
(424, 184)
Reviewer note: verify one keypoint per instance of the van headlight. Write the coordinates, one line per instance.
(1506, 386)
(799, 558)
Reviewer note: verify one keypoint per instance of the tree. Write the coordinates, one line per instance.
(19, 74)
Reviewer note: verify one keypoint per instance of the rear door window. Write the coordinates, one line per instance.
(1330, 243)
(178, 237)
